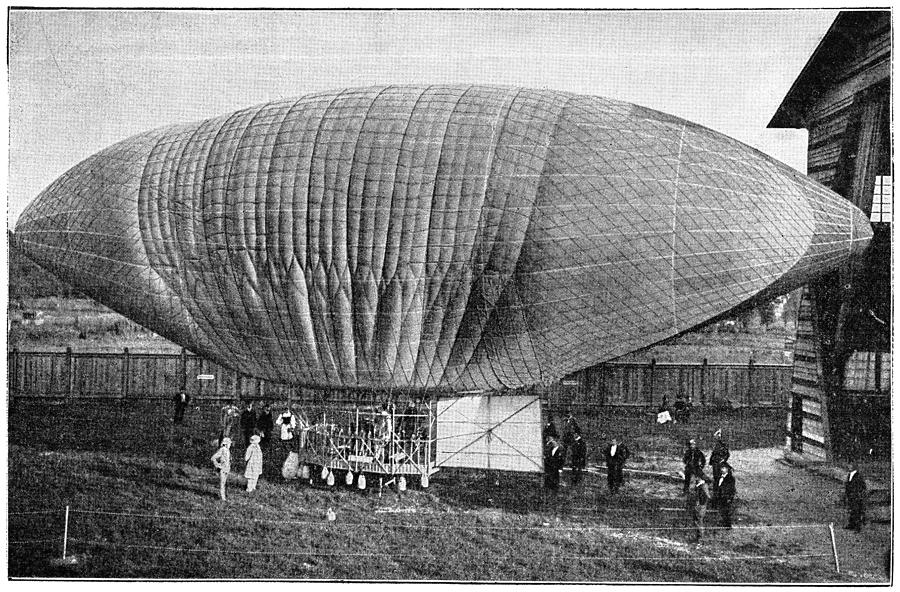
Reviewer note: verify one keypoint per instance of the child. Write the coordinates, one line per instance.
(222, 461)
(254, 459)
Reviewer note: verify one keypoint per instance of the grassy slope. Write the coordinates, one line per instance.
(106, 456)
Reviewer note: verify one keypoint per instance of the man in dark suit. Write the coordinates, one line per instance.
(696, 499)
(579, 457)
(182, 400)
(616, 455)
(855, 495)
(553, 459)
(571, 428)
(550, 430)
(265, 423)
(694, 461)
(248, 422)
(727, 491)
(717, 460)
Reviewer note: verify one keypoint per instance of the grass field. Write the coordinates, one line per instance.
(143, 496)
(143, 505)
(81, 324)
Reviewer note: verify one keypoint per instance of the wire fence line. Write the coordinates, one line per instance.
(397, 526)
(443, 527)
(432, 556)
(429, 556)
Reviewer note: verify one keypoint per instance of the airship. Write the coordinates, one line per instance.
(459, 238)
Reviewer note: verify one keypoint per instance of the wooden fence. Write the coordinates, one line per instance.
(706, 385)
(159, 376)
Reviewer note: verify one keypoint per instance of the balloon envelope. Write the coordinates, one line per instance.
(433, 237)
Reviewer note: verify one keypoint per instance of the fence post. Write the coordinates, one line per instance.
(21, 373)
(749, 383)
(183, 370)
(703, 369)
(218, 374)
(652, 378)
(878, 372)
(602, 380)
(200, 370)
(66, 533)
(14, 366)
(126, 373)
(837, 564)
(70, 374)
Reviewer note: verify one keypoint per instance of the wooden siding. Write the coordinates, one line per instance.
(809, 435)
(831, 112)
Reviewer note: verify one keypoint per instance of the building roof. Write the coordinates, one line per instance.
(844, 44)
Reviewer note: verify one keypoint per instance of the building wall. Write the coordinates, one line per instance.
(841, 364)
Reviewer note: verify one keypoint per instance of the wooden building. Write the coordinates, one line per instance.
(841, 379)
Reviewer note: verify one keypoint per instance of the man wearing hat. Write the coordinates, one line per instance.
(696, 500)
(248, 422)
(855, 495)
(254, 458)
(616, 455)
(222, 461)
(264, 426)
(727, 491)
(717, 460)
(550, 430)
(694, 461)
(579, 457)
(182, 400)
(553, 462)
(571, 429)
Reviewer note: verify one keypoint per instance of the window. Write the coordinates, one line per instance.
(882, 200)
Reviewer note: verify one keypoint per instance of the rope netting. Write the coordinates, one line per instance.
(441, 237)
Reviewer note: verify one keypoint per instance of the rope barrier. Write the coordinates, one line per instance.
(695, 558)
(165, 516)
(432, 557)
(451, 526)
(681, 553)
(569, 511)
(248, 552)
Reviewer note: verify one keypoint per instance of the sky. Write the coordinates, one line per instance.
(82, 80)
